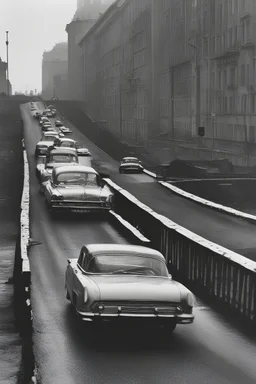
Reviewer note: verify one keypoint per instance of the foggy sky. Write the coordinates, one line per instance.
(34, 26)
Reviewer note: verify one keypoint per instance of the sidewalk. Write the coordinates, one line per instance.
(10, 190)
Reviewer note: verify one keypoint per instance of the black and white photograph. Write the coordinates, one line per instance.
(127, 191)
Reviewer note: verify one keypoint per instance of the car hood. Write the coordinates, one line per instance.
(137, 288)
(74, 192)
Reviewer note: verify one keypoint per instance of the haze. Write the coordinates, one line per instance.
(34, 26)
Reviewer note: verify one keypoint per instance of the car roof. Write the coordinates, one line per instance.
(63, 151)
(130, 158)
(76, 168)
(110, 249)
(66, 139)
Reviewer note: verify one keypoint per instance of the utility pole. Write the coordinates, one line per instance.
(7, 60)
(172, 103)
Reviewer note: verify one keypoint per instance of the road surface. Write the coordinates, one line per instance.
(210, 351)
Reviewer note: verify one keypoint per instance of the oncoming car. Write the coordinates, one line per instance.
(53, 158)
(119, 281)
(45, 142)
(131, 165)
(77, 189)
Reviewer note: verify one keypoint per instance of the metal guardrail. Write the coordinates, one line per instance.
(213, 270)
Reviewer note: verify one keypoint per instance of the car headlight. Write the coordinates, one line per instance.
(57, 197)
(109, 199)
(190, 300)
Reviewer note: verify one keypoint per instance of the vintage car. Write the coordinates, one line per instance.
(45, 142)
(82, 150)
(110, 281)
(55, 157)
(130, 165)
(64, 142)
(58, 123)
(43, 119)
(78, 189)
(65, 130)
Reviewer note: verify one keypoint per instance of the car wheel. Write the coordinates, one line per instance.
(121, 171)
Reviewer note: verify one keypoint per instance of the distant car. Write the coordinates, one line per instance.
(53, 158)
(43, 119)
(130, 165)
(65, 142)
(58, 123)
(49, 114)
(46, 126)
(65, 130)
(45, 142)
(82, 150)
(37, 115)
(126, 282)
(78, 189)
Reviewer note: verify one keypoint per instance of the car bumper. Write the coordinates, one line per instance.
(178, 318)
(131, 170)
(80, 208)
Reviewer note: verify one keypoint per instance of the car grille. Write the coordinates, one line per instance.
(150, 308)
(82, 204)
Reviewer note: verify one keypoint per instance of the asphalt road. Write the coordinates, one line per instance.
(210, 351)
(230, 232)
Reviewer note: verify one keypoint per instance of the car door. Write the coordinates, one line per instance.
(78, 283)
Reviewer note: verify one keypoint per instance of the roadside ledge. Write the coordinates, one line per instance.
(200, 200)
(22, 281)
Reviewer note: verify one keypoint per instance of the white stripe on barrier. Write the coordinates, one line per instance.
(227, 253)
(24, 217)
(200, 200)
(132, 229)
(208, 203)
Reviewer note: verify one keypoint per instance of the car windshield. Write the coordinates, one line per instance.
(78, 178)
(130, 160)
(127, 265)
(62, 158)
(68, 144)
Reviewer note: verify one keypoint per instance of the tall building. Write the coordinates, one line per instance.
(88, 11)
(55, 72)
(3, 81)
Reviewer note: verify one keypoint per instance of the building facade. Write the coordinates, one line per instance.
(3, 81)
(88, 11)
(55, 72)
(166, 67)
(117, 76)
(232, 70)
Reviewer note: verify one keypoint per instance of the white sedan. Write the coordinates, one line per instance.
(130, 165)
(112, 281)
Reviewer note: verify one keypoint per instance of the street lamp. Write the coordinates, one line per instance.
(7, 60)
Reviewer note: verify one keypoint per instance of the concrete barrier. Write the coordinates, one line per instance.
(22, 281)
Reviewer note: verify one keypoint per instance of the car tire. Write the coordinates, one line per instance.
(121, 171)
(169, 328)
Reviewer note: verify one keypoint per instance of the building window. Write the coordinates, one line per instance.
(232, 78)
(242, 75)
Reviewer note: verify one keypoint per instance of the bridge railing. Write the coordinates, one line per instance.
(213, 270)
